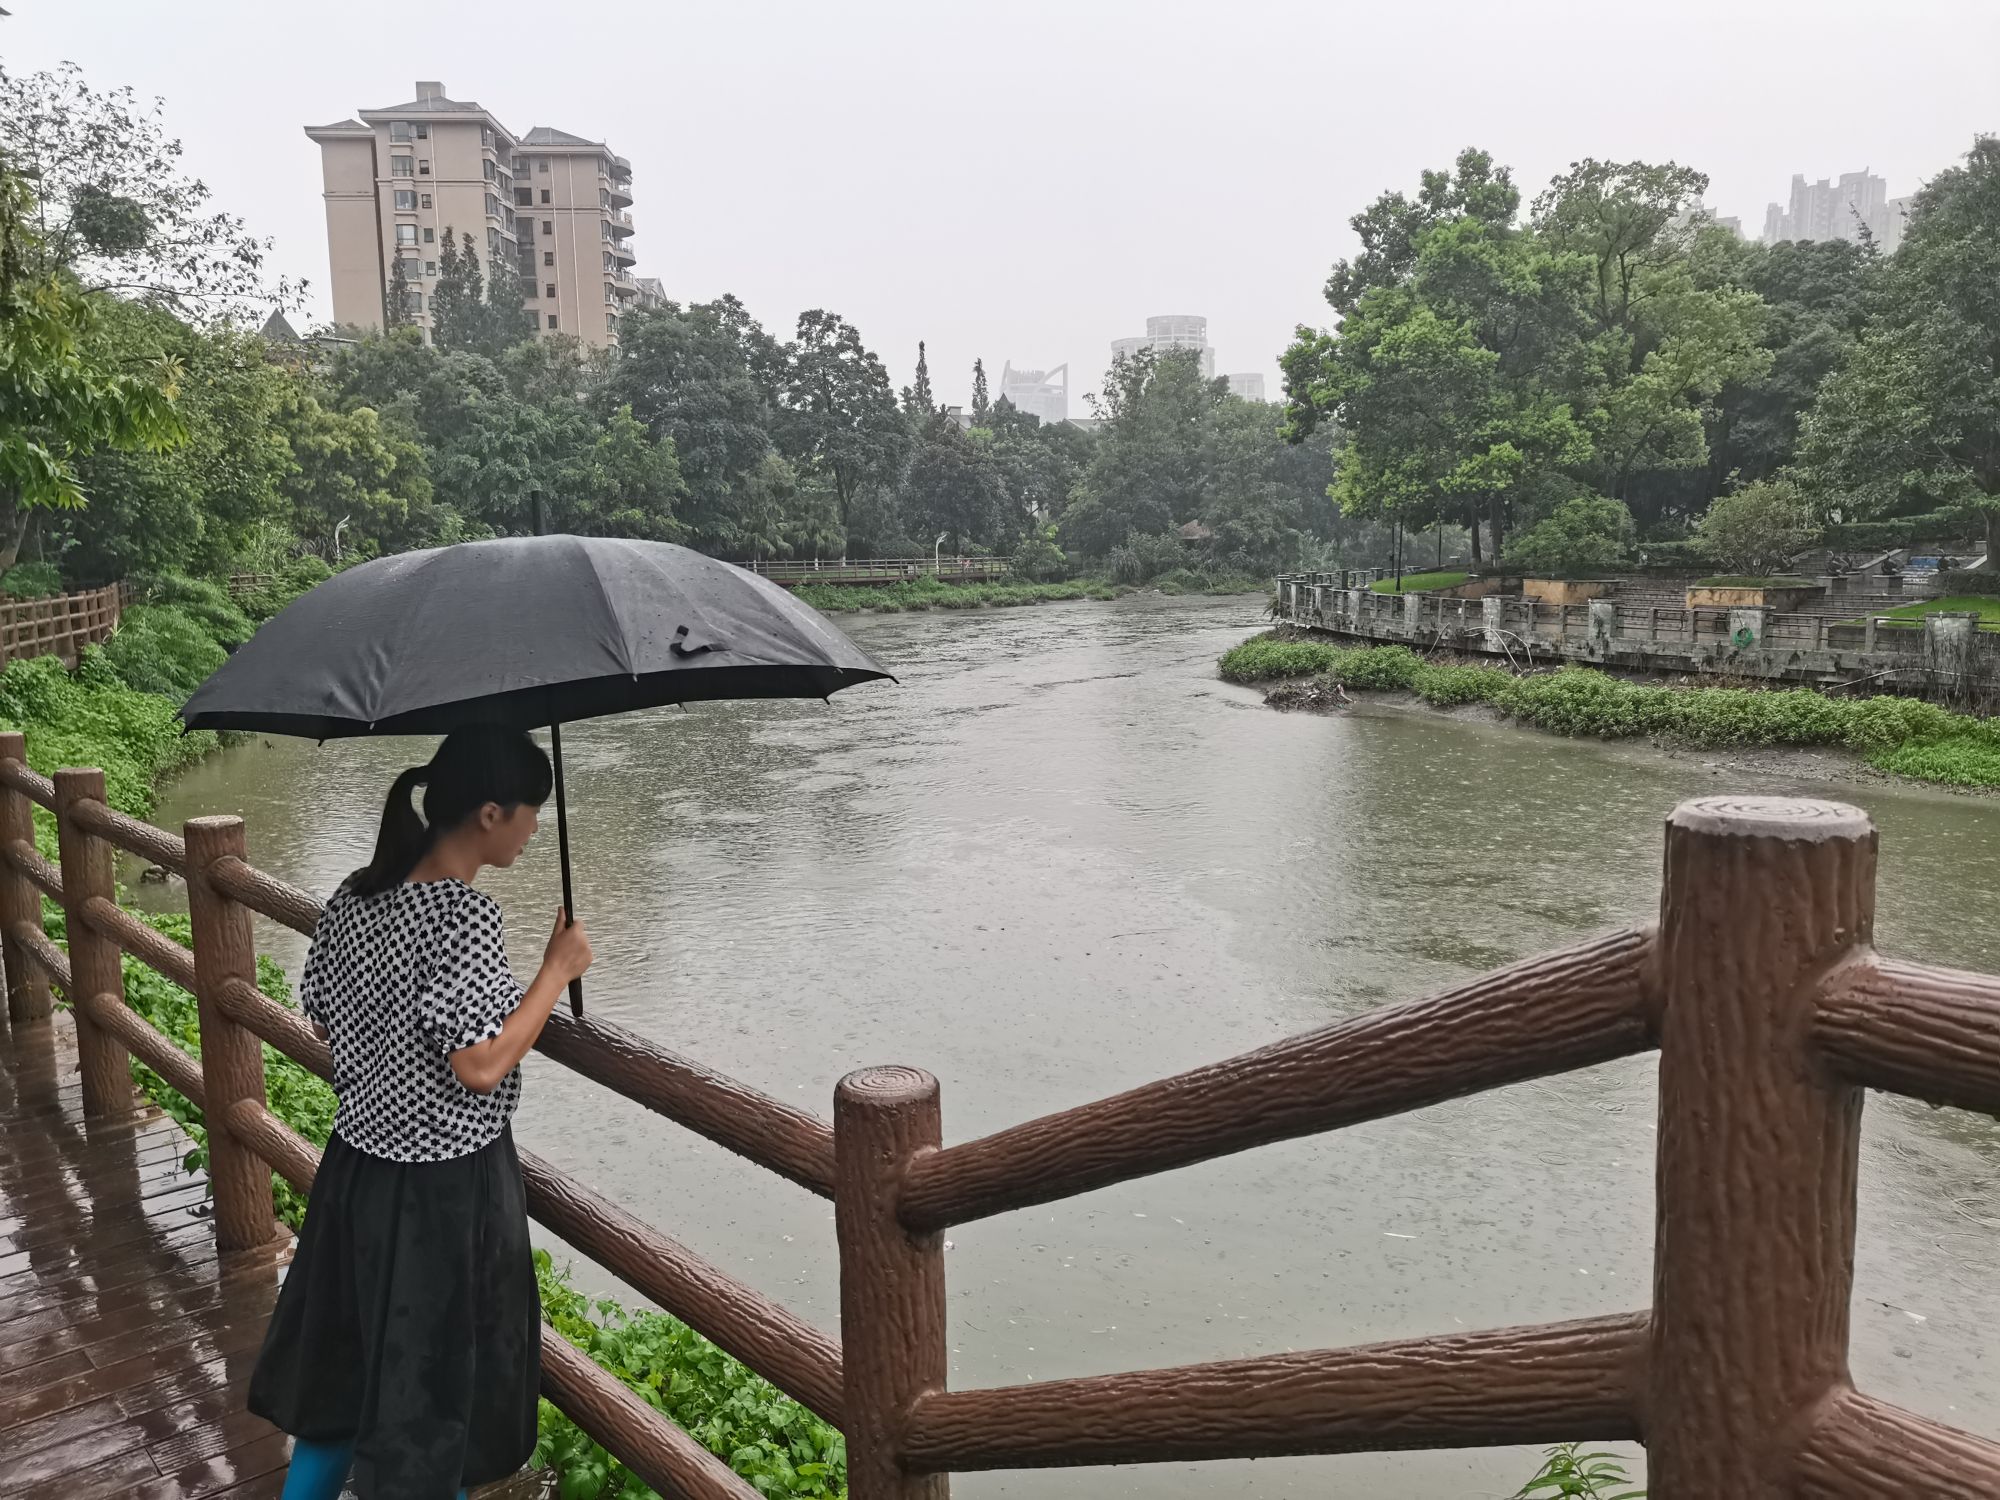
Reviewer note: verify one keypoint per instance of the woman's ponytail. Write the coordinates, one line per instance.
(471, 768)
(403, 840)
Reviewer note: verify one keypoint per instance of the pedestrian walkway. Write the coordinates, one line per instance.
(126, 1341)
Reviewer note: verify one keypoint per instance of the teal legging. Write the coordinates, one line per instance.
(319, 1470)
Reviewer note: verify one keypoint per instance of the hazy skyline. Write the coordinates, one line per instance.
(1027, 182)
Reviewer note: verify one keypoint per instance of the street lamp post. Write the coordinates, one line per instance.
(937, 555)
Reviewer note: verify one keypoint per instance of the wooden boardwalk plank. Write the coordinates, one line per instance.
(126, 1340)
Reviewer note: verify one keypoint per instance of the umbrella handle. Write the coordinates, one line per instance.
(562, 847)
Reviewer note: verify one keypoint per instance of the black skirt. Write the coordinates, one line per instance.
(409, 1322)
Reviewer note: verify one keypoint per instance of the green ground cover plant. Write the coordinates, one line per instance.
(1901, 735)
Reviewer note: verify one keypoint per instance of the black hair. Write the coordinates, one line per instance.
(471, 768)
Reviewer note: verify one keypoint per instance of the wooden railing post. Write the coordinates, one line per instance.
(232, 1059)
(1754, 1256)
(28, 997)
(892, 1304)
(96, 967)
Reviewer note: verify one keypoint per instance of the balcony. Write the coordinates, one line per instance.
(620, 222)
(621, 193)
(622, 253)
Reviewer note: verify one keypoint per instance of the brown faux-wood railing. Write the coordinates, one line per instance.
(59, 626)
(1759, 988)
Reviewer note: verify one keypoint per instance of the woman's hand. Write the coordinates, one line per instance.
(568, 954)
(483, 1065)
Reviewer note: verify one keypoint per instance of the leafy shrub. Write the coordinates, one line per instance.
(1903, 735)
(159, 648)
(1038, 559)
(201, 600)
(774, 1443)
(35, 580)
(1758, 529)
(1141, 558)
(1981, 582)
(1583, 534)
(1907, 531)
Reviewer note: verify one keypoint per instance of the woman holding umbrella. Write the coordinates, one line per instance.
(405, 1345)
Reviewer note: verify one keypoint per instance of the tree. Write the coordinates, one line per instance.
(190, 507)
(1583, 533)
(114, 210)
(1392, 228)
(1757, 530)
(1815, 294)
(623, 484)
(1148, 473)
(700, 378)
(472, 311)
(841, 420)
(951, 489)
(982, 407)
(1911, 420)
(351, 477)
(918, 403)
(398, 310)
(65, 389)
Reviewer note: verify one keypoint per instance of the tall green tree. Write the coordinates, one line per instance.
(918, 403)
(398, 306)
(840, 418)
(190, 507)
(952, 489)
(982, 405)
(65, 388)
(114, 210)
(473, 311)
(1911, 420)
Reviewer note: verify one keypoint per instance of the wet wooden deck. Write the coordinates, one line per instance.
(126, 1342)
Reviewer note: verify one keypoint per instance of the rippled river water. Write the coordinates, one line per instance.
(1061, 858)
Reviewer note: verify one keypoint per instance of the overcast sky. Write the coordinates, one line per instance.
(1026, 181)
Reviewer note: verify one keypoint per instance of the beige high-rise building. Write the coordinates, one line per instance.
(551, 204)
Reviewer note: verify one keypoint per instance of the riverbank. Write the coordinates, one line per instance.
(923, 594)
(1900, 736)
(103, 714)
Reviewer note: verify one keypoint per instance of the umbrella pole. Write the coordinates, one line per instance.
(562, 848)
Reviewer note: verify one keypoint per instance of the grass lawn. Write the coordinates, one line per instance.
(1911, 616)
(1420, 583)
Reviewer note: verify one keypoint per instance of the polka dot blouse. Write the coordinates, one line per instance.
(401, 980)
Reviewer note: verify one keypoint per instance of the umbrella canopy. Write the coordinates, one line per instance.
(527, 632)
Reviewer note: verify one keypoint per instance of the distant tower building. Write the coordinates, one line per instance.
(1250, 387)
(1836, 210)
(1173, 331)
(1037, 393)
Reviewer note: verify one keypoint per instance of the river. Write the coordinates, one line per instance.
(1062, 858)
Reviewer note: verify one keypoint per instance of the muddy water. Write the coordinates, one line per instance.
(1060, 859)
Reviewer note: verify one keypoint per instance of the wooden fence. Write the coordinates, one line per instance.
(59, 626)
(1759, 987)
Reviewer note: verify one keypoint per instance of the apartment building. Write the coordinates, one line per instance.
(574, 233)
(551, 204)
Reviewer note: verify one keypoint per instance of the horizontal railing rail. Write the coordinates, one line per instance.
(1759, 988)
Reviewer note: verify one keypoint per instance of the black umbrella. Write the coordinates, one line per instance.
(527, 632)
